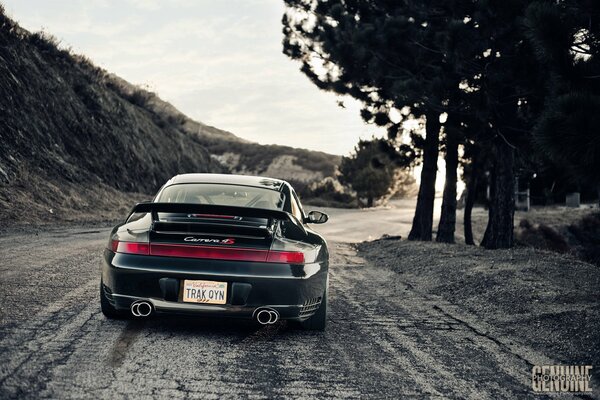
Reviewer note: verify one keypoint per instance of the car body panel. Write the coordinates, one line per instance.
(251, 285)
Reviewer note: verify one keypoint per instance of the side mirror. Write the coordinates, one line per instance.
(317, 217)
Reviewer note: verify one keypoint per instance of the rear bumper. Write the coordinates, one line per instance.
(290, 289)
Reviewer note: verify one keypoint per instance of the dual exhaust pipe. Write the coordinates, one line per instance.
(141, 309)
(266, 316)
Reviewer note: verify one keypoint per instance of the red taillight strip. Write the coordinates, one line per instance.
(209, 252)
(288, 257)
(132, 247)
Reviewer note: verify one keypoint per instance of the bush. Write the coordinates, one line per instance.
(140, 97)
(326, 193)
(586, 235)
(581, 238)
(45, 42)
(541, 236)
(372, 169)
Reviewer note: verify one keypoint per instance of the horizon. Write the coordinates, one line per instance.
(219, 64)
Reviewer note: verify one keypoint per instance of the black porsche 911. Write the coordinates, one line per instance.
(219, 245)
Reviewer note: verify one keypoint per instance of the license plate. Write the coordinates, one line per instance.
(206, 292)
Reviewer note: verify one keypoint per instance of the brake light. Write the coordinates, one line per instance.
(213, 216)
(130, 247)
(208, 252)
(289, 257)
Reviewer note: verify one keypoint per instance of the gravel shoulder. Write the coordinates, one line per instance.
(549, 302)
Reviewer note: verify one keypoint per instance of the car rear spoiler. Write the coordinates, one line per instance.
(210, 209)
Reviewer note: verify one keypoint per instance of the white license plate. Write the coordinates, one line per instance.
(206, 292)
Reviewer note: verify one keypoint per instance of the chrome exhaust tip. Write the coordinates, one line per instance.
(267, 316)
(141, 309)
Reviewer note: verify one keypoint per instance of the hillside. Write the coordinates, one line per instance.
(79, 143)
(232, 152)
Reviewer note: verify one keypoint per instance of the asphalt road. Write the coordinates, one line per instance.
(356, 225)
(384, 339)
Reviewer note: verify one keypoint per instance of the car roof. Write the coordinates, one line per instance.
(245, 180)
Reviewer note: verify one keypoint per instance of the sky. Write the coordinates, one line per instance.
(219, 62)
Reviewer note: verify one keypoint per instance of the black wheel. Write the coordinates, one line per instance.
(318, 321)
(107, 309)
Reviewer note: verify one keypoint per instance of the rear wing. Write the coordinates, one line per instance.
(210, 209)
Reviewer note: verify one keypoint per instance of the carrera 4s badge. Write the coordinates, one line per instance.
(205, 240)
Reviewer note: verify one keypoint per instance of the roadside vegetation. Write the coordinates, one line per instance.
(580, 238)
(328, 192)
(507, 90)
(373, 170)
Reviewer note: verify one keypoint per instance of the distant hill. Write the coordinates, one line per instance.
(79, 143)
(232, 152)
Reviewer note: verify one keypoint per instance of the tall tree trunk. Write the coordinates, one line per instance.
(499, 231)
(423, 220)
(447, 225)
(470, 199)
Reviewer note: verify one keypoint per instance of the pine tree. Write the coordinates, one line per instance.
(566, 39)
(389, 55)
(482, 63)
(447, 224)
(505, 97)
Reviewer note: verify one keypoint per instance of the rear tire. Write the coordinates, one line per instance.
(318, 322)
(107, 309)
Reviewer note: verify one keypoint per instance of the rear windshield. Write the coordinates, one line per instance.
(223, 195)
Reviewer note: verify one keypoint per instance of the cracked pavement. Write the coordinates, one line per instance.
(384, 339)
